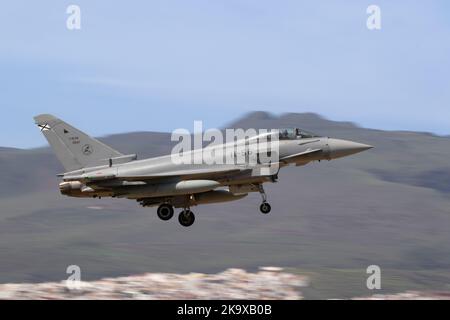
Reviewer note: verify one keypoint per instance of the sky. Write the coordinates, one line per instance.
(159, 65)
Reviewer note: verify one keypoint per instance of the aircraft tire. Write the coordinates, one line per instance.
(186, 218)
(265, 208)
(165, 212)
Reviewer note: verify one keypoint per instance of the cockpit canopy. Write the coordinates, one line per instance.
(295, 133)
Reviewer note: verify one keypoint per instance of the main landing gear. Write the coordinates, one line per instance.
(265, 206)
(165, 211)
(186, 217)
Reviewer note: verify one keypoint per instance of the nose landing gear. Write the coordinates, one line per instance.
(265, 207)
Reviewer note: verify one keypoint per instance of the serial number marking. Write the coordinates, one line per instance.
(74, 140)
(246, 309)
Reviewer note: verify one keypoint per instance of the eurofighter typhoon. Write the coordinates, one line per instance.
(226, 171)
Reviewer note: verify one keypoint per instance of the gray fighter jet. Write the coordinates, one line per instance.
(95, 170)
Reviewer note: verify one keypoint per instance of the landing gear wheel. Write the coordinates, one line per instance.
(265, 208)
(165, 211)
(186, 218)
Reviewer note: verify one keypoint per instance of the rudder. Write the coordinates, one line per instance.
(74, 149)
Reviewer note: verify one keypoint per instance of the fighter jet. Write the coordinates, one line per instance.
(95, 170)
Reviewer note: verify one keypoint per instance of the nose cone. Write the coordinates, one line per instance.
(342, 148)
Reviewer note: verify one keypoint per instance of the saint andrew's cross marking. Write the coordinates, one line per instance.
(44, 127)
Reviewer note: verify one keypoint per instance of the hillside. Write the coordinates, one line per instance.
(388, 206)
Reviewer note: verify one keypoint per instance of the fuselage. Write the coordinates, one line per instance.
(124, 180)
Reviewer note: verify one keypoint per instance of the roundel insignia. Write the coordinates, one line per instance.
(87, 149)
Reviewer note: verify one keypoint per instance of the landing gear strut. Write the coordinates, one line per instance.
(186, 218)
(165, 211)
(265, 206)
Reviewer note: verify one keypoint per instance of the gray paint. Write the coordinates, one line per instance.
(96, 170)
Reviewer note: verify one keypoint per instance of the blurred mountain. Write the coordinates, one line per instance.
(388, 206)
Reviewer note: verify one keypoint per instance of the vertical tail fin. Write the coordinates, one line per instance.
(74, 149)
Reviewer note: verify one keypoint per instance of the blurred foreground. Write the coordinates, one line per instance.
(269, 283)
